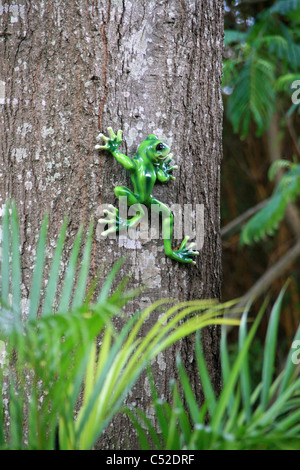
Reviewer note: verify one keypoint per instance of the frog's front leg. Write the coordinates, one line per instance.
(111, 144)
(185, 253)
(165, 169)
(114, 221)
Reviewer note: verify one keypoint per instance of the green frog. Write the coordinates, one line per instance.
(152, 162)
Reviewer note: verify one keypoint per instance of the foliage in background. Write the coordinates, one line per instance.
(52, 351)
(261, 73)
(266, 221)
(262, 63)
(243, 416)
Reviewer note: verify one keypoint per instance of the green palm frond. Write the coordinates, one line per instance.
(109, 378)
(52, 351)
(243, 417)
(10, 293)
(266, 221)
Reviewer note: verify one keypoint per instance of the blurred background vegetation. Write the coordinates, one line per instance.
(261, 126)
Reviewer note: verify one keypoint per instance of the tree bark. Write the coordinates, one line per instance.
(70, 69)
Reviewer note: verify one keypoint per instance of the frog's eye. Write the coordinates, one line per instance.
(160, 147)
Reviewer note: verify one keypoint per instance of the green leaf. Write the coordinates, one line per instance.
(37, 277)
(5, 256)
(188, 392)
(270, 350)
(144, 442)
(228, 390)
(245, 372)
(54, 272)
(16, 261)
(16, 416)
(225, 364)
(83, 275)
(290, 367)
(277, 166)
(70, 274)
(184, 436)
(109, 280)
(253, 96)
(205, 378)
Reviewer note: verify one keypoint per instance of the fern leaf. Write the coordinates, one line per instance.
(266, 221)
(253, 96)
(277, 44)
(276, 166)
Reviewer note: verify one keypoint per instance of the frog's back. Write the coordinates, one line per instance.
(143, 179)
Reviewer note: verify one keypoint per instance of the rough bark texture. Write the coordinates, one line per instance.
(74, 67)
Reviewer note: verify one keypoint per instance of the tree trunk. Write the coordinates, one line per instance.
(70, 69)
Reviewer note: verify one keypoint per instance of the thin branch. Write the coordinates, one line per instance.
(273, 273)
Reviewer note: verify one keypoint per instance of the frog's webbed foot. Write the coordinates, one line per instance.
(112, 142)
(114, 221)
(185, 252)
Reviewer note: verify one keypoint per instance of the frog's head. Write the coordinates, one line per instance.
(154, 149)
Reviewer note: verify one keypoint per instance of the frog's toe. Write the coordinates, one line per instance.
(191, 252)
(119, 136)
(191, 246)
(189, 257)
(107, 221)
(183, 243)
(108, 231)
(102, 137)
(110, 214)
(100, 147)
(111, 133)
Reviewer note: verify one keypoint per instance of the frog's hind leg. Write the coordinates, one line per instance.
(131, 199)
(117, 223)
(185, 253)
